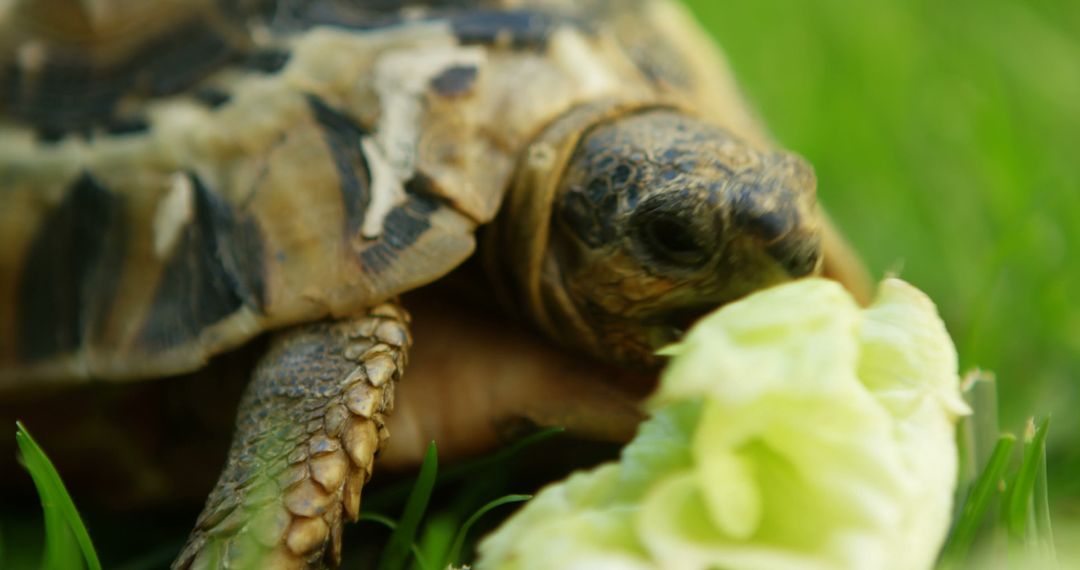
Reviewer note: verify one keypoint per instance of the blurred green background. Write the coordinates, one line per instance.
(946, 138)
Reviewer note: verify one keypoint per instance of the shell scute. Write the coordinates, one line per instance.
(230, 171)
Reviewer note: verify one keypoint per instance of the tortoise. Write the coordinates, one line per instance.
(180, 177)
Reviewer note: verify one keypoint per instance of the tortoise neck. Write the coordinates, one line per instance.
(525, 271)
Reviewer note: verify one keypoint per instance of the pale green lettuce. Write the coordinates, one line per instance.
(792, 430)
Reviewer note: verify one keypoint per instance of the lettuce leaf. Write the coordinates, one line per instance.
(792, 429)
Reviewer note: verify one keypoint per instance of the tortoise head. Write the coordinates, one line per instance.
(655, 218)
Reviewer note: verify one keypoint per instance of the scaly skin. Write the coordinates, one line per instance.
(309, 426)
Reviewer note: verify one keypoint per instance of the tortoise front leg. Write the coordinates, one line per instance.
(309, 426)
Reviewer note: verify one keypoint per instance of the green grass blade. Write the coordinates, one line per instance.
(983, 397)
(1019, 509)
(397, 549)
(1020, 506)
(967, 446)
(65, 534)
(1043, 529)
(966, 461)
(437, 536)
(459, 539)
(396, 493)
(977, 433)
(461, 471)
(379, 519)
(977, 503)
(392, 525)
(61, 548)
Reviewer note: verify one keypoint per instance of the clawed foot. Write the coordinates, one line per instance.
(310, 425)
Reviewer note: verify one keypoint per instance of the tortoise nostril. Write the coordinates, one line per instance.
(797, 254)
(769, 226)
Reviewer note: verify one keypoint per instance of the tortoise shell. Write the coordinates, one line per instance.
(179, 176)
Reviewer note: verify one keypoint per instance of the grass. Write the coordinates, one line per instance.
(1005, 498)
(978, 501)
(1002, 496)
(397, 548)
(67, 544)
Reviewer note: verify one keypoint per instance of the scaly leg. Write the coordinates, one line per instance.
(309, 426)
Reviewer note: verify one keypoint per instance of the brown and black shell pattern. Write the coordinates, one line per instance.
(178, 176)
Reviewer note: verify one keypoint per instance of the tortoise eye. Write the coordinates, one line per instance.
(671, 238)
